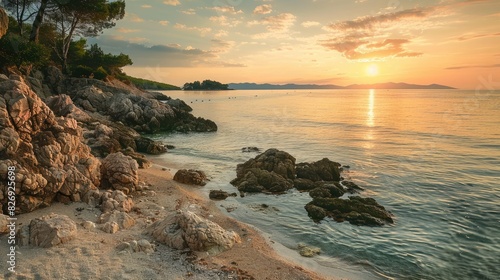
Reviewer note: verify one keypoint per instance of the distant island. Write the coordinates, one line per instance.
(354, 86)
(205, 85)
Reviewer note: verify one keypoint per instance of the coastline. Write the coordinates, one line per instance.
(256, 254)
(93, 254)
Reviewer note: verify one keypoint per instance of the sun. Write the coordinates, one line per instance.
(372, 70)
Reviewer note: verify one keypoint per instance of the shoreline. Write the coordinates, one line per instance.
(257, 254)
(272, 248)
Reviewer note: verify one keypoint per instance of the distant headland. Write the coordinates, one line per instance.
(353, 86)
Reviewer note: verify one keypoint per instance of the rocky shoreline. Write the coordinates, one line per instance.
(86, 191)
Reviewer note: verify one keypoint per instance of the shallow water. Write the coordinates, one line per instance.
(431, 157)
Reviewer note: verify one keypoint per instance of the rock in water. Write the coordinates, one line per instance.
(220, 194)
(356, 210)
(272, 171)
(272, 160)
(120, 172)
(322, 170)
(185, 229)
(191, 177)
(47, 151)
(258, 180)
(51, 230)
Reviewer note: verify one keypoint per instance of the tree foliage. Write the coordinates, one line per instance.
(205, 85)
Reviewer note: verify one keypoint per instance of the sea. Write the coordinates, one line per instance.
(431, 157)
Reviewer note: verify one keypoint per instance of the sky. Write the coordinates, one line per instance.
(342, 42)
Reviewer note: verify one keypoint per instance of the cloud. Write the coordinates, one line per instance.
(281, 22)
(126, 30)
(225, 9)
(189, 12)
(380, 36)
(221, 33)
(367, 50)
(164, 22)
(476, 36)
(473, 66)
(133, 17)
(263, 9)
(222, 46)
(224, 21)
(202, 30)
(171, 2)
(310, 23)
(171, 55)
(146, 6)
(370, 22)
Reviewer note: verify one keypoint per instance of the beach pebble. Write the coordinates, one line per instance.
(88, 225)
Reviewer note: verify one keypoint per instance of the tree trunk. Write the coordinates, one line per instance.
(35, 29)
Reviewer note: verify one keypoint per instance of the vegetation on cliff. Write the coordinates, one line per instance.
(42, 33)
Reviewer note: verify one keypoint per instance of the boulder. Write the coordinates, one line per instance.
(220, 194)
(119, 172)
(191, 177)
(146, 145)
(122, 219)
(272, 160)
(51, 230)
(47, 152)
(356, 210)
(185, 229)
(308, 251)
(259, 180)
(141, 159)
(323, 170)
(302, 184)
(327, 189)
(4, 22)
(115, 200)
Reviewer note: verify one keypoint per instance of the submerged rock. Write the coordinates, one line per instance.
(308, 251)
(250, 149)
(356, 210)
(191, 177)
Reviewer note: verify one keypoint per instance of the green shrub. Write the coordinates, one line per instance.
(100, 73)
(81, 71)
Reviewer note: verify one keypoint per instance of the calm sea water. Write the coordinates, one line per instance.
(431, 157)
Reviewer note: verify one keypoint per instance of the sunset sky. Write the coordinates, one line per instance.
(450, 42)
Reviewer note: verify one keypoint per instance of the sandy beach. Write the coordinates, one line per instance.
(93, 254)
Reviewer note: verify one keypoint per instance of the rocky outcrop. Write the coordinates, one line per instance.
(356, 210)
(185, 229)
(46, 151)
(275, 171)
(119, 172)
(4, 22)
(48, 231)
(323, 170)
(272, 172)
(191, 177)
(137, 111)
(272, 160)
(259, 180)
